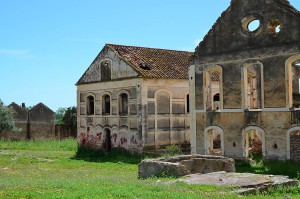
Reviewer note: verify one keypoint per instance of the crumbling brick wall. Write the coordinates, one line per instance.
(295, 147)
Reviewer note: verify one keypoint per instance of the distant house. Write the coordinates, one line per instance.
(35, 123)
(135, 98)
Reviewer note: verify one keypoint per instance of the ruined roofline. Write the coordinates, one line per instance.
(163, 49)
(284, 3)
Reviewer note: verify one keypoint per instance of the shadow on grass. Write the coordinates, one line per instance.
(115, 156)
(274, 167)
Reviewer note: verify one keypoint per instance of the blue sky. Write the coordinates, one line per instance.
(46, 45)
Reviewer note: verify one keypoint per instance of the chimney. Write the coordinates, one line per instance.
(23, 105)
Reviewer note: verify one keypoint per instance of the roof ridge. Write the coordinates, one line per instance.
(148, 48)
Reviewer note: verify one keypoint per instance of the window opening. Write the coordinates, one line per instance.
(250, 23)
(253, 76)
(253, 144)
(187, 103)
(295, 84)
(214, 143)
(90, 105)
(123, 104)
(105, 70)
(106, 105)
(253, 25)
(274, 26)
(213, 85)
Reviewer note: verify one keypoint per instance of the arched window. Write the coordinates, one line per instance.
(295, 84)
(106, 105)
(213, 86)
(214, 141)
(163, 103)
(90, 105)
(253, 86)
(123, 104)
(105, 70)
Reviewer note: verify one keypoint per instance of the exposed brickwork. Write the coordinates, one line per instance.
(295, 147)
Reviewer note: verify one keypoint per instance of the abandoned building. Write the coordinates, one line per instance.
(134, 98)
(34, 123)
(244, 83)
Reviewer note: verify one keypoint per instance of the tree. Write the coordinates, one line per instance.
(67, 117)
(7, 121)
(59, 116)
(70, 119)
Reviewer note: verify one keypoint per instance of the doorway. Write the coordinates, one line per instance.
(253, 143)
(108, 139)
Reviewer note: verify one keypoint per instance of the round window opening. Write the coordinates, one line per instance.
(250, 23)
(253, 25)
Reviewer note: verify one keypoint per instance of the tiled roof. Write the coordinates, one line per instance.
(153, 62)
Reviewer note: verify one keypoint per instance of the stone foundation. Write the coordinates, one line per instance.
(184, 165)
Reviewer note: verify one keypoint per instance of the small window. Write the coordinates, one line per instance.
(105, 70)
(106, 105)
(90, 105)
(41, 110)
(187, 103)
(216, 100)
(123, 104)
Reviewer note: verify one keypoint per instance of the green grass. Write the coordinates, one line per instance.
(53, 169)
(287, 168)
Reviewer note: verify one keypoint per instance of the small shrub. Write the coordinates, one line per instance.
(173, 150)
(88, 153)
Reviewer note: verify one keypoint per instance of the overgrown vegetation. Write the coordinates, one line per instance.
(67, 117)
(7, 121)
(56, 169)
(173, 150)
(259, 166)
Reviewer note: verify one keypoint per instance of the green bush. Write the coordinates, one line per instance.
(173, 150)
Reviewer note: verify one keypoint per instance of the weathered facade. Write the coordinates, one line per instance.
(34, 123)
(134, 98)
(245, 82)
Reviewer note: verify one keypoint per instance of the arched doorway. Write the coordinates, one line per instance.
(108, 139)
(214, 141)
(293, 144)
(253, 142)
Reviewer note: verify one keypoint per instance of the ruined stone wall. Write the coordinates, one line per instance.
(274, 124)
(231, 45)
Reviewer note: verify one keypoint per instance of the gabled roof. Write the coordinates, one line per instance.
(41, 105)
(149, 62)
(154, 62)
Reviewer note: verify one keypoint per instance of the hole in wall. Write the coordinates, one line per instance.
(234, 145)
(274, 26)
(275, 146)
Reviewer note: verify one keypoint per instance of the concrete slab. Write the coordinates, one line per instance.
(245, 183)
